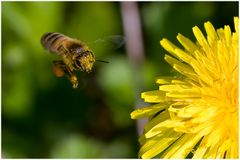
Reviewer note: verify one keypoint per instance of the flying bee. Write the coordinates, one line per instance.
(76, 55)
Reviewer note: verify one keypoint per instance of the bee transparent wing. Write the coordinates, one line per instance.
(109, 42)
(113, 41)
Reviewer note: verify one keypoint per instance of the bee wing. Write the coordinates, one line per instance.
(117, 41)
(112, 42)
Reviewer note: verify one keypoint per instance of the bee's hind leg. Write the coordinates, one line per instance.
(58, 62)
(60, 69)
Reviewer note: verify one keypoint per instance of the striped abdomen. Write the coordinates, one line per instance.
(53, 42)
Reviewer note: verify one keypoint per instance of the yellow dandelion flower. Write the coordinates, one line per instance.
(195, 115)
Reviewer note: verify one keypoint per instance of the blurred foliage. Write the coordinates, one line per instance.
(43, 117)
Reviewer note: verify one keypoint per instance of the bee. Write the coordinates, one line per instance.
(75, 54)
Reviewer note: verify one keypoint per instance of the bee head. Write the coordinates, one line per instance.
(85, 61)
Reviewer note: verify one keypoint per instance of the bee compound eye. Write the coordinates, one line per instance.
(78, 63)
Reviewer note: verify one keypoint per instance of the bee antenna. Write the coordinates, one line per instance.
(102, 61)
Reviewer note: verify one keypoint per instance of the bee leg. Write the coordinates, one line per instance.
(58, 62)
(74, 81)
(72, 77)
(59, 68)
(62, 49)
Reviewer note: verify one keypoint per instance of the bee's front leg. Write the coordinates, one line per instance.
(72, 77)
(74, 81)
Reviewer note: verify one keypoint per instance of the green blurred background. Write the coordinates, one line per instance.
(43, 117)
